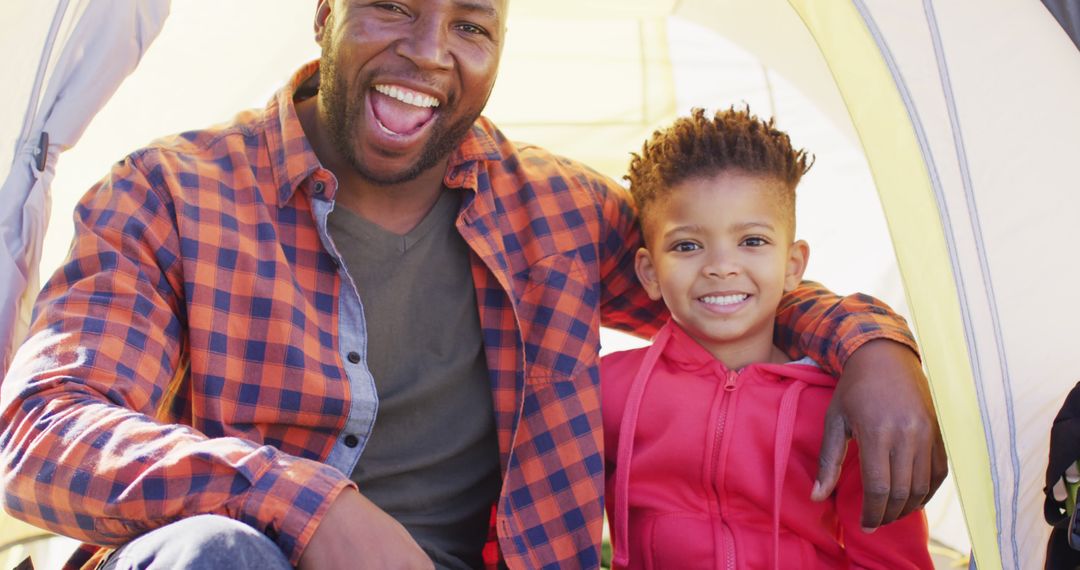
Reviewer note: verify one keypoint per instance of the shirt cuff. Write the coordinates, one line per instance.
(289, 500)
(849, 346)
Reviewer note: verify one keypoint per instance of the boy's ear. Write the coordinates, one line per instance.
(798, 256)
(646, 273)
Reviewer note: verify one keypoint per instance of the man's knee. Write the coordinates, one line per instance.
(205, 541)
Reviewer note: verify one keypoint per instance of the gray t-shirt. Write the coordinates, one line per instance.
(432, 459)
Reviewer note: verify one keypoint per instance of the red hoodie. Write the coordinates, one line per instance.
(720, 468)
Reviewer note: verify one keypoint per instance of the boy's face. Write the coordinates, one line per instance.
(720, 255)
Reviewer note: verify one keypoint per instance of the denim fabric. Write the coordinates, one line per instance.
(208, 542)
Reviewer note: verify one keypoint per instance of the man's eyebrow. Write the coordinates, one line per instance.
(483, 8)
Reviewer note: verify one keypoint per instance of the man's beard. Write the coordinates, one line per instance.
(341, 117)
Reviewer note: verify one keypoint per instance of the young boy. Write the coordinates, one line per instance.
(711, 435)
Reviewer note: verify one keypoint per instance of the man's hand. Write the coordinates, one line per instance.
(355, 533)
(882, 399)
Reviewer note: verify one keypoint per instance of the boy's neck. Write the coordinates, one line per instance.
(751, 349)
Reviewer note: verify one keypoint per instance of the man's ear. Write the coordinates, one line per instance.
(322, 14)
(646, 273)
(798, 256)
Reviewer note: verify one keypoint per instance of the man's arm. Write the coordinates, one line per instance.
(82, 452)
(882, 398)
(625, 304)
(356, 529)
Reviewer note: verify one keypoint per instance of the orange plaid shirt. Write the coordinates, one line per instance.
(196, 352)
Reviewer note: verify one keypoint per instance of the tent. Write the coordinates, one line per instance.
(943, 132)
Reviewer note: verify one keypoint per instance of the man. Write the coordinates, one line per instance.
(366, 286)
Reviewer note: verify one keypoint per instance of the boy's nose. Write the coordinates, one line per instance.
(721, 265)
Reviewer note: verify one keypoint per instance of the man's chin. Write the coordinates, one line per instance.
(382, 170)
(389, 167)
(390, 173)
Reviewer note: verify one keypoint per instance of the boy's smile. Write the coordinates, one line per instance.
(720, 254)
(725, 303)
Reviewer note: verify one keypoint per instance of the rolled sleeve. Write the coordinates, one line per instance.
(812, 321)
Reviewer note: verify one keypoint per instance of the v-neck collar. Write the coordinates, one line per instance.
(441, 214)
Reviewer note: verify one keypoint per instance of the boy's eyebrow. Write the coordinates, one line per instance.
(692, 228)
(687, 228)
(752, 225)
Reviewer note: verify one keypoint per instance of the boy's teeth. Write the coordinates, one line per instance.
(408, 97)
(724, 299)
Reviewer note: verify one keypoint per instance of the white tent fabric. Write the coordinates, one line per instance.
(960, 114)
(86, 50)
(970, 152)
(70, 56)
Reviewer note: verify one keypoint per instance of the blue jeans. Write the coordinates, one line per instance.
(201, 542)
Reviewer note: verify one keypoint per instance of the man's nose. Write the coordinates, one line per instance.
(427, 45)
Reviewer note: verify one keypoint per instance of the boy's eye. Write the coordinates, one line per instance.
(755, 241)
(684, 246)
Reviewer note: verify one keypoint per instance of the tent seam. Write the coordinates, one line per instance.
(984, 262)
(950, 238)
(39, 80)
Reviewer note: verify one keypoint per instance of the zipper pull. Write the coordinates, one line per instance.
(729, 384)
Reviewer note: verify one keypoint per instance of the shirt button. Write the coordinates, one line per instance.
(351, 441)
(320, 186)
(354, 357)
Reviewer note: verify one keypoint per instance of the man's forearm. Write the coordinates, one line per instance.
(81, 466)
(812, 321)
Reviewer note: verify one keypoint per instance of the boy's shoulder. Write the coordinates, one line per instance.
(805, 370)
(617, 373)
(619, 361)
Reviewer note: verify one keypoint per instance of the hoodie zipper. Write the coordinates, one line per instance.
(725, 402)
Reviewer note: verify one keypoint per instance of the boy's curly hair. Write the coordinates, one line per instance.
(699, 147)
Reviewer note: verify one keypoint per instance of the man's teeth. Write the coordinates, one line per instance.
(408, 97)
(724, 299)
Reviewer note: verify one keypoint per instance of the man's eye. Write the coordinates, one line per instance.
(684, 246)
(391, 8)
(472, 29)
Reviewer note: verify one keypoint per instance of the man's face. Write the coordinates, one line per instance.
(402, 81)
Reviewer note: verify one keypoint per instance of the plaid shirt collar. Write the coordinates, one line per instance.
(293, 160)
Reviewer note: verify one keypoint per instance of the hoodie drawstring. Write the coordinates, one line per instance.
(785, 428)
(627, 429)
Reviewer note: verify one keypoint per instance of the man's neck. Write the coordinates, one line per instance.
(397, 208)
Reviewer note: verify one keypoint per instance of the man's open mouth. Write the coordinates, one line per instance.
(400, 111)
